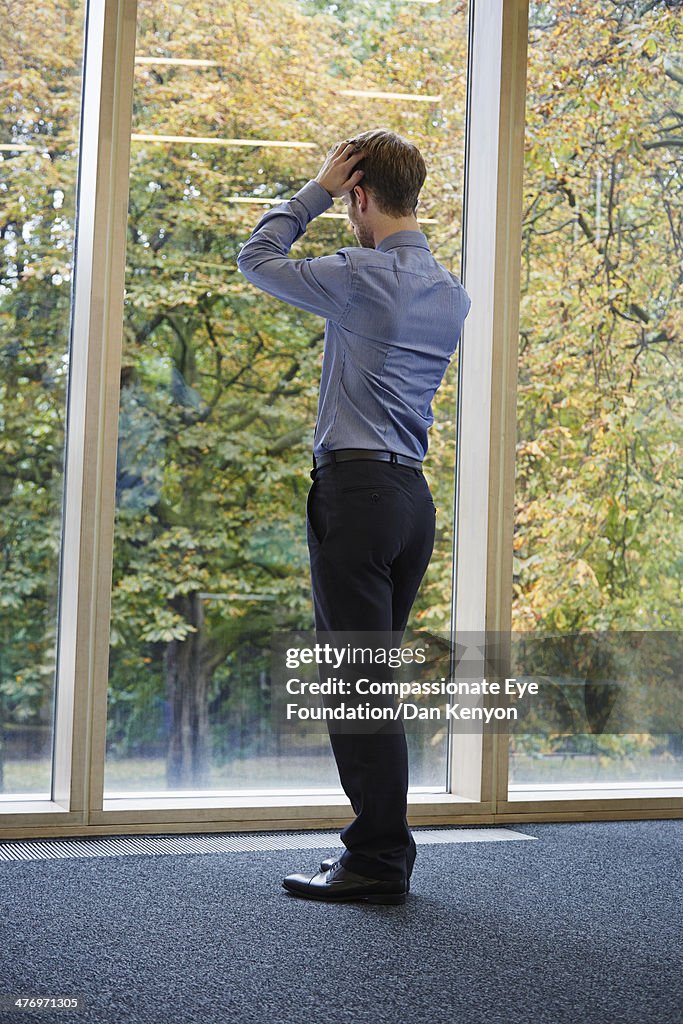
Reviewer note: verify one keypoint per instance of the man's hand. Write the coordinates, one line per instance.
(337, 175)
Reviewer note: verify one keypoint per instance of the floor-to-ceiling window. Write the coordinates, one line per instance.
(41, 74)
(235, 106)
(597, 538)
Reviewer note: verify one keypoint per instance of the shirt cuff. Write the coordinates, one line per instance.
(314, 198)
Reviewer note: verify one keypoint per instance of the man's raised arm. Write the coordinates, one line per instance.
(321, 285)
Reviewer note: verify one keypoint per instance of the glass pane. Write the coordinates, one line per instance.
(39, 133)
(235, 108)
(598, 533)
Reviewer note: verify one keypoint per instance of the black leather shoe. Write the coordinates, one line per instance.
(337, 885)
(329, 862)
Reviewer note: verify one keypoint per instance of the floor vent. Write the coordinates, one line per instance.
(225, 842)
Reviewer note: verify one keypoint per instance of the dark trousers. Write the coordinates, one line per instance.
(370, 532)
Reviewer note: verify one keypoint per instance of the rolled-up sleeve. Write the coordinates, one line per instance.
(320, 285)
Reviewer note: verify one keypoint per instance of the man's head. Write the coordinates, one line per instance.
(394, 171)
(385, 199)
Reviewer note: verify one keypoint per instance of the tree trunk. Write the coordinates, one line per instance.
(187, 683)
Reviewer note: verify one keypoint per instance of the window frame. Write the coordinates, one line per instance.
(484, 472)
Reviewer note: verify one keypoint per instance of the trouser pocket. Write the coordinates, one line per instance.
(314, 529)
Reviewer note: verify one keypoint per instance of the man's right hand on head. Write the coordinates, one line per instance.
(337, 175)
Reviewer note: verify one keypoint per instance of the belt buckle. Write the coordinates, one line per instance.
(393, 458)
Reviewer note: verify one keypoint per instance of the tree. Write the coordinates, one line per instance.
(219, 383)
(597, 537)
(38, 161)
(224, 377)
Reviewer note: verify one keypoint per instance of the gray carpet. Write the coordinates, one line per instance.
(581, 926)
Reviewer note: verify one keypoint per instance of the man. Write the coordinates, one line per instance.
(393, 320)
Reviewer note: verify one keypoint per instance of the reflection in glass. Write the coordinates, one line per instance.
(235, 107)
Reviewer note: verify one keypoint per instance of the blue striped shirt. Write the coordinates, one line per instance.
(393, 321)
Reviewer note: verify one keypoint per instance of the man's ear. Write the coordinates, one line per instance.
(361, 197)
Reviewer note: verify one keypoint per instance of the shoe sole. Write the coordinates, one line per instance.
(389, 899)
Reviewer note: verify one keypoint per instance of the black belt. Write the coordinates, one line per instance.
(353, 454)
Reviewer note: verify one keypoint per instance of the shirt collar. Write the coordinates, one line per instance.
(413, 238)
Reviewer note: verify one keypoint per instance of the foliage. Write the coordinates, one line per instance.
(40, 75)
(598, 524)
(219, 382)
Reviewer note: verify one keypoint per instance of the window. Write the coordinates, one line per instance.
(39, 139)
(219, 382)
(598, 511)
